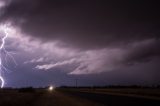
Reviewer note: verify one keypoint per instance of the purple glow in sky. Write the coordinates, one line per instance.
(97, 42)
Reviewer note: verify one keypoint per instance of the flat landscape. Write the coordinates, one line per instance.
(79, 97)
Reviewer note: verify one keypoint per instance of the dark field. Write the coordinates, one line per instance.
(80, 97)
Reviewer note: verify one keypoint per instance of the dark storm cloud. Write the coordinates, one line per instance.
(143, 51)
(83, 37)
(89, 24)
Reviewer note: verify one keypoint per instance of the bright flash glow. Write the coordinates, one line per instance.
(3, 38)
(2, 81)
(2, 3)
(51, 88)
(1, 65)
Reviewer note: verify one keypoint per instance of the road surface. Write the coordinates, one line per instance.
(115, 100)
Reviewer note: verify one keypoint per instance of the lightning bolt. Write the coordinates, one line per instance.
(2, 81)
(1, 65)
(3, 50)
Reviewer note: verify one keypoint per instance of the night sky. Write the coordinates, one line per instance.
(110, 42)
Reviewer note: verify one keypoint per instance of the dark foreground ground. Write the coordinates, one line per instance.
(72, 97)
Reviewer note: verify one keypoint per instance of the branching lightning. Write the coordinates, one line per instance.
(3, 50)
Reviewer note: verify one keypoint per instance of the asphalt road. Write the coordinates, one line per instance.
(115, 100)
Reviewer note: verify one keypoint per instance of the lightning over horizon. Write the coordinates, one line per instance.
(100, 42)
(1, 64)
(4, 28)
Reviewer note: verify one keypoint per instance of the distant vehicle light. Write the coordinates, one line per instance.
(51, 88)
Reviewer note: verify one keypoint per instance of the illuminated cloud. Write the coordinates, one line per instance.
(98, 38)
(81, 61)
